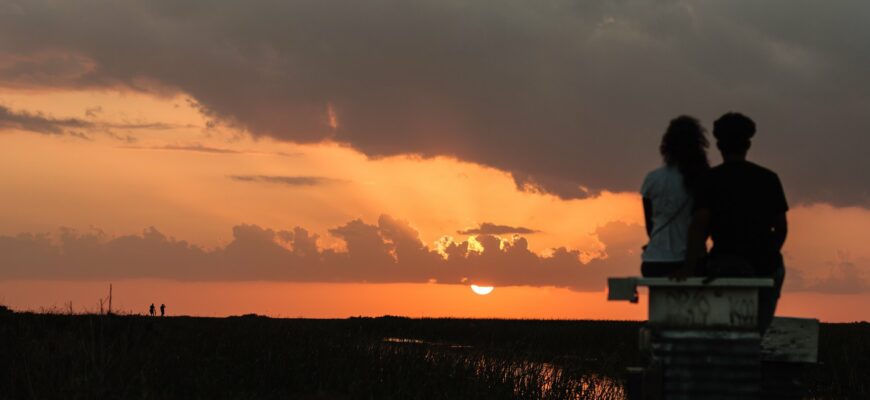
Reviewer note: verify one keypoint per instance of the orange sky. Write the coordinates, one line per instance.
(165, 179)
(313, 300)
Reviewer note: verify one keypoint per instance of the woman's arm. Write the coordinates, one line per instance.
(648, 215)
(699, 230)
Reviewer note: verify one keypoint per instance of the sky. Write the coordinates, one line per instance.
(331, 159)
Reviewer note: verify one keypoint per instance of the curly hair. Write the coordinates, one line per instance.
(684, 145)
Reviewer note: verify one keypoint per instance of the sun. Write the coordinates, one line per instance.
(482, 290)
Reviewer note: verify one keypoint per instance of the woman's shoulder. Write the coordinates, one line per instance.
(663, 172)
(652, 178)
(665, 180)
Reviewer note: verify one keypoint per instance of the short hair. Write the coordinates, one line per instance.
(733, 132)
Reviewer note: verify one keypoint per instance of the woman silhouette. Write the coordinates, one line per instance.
(667, 196)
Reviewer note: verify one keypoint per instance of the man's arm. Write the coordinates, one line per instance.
(696, 245)
(779, 230)
(779, 226)
(647, 215)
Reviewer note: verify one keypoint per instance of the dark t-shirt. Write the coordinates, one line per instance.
(744, 200)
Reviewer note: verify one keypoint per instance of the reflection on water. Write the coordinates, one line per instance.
(530, 379)
(586, 386)
(419, 341)
(403, 340)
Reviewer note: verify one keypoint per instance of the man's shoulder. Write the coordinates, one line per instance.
(745, 167)
(718, 171)
(762, 171)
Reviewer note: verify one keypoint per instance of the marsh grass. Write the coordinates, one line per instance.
(47, 356)
(843, 371)
(60, 355)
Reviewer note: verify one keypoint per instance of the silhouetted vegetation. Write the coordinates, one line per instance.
(89, 356)
(844, 363)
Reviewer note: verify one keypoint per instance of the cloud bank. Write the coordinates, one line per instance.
(389, 251)
(570, 97)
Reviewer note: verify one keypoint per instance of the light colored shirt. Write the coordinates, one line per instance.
(665, 190)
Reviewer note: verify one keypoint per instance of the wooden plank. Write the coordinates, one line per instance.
(704, 307)
(622, 289)
(702, 282)
(791, 340)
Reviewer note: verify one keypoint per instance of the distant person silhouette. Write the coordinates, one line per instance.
(668, 193)
(151, 309)
(162, 309)
(742, 207)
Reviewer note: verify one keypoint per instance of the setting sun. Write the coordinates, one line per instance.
(482, 290)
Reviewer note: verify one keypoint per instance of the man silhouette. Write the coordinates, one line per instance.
(742, 207)
(151, 309)
(162, 309)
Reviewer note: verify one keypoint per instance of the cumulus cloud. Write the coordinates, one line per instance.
(488, 228)
(388, 251)
(842, 275)
(286, 180)
(570, 97)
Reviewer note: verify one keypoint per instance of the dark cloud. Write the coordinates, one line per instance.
(286, 180)
(200, 148)
(390, 251)
(48, 125)
(140, 125)
(570, 97)
(39, 123)
(41, 68)
(197, 147)
(488, 228)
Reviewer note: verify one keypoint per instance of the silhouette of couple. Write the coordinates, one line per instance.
(739, 204)
(162, 309)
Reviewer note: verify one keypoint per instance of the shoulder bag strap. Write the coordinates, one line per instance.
(671, 219)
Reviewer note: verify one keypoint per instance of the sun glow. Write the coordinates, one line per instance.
(482, 290)
(474, 245)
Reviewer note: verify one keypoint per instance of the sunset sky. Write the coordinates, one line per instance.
(338, 158)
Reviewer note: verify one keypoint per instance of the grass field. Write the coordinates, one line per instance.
(96, 357)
